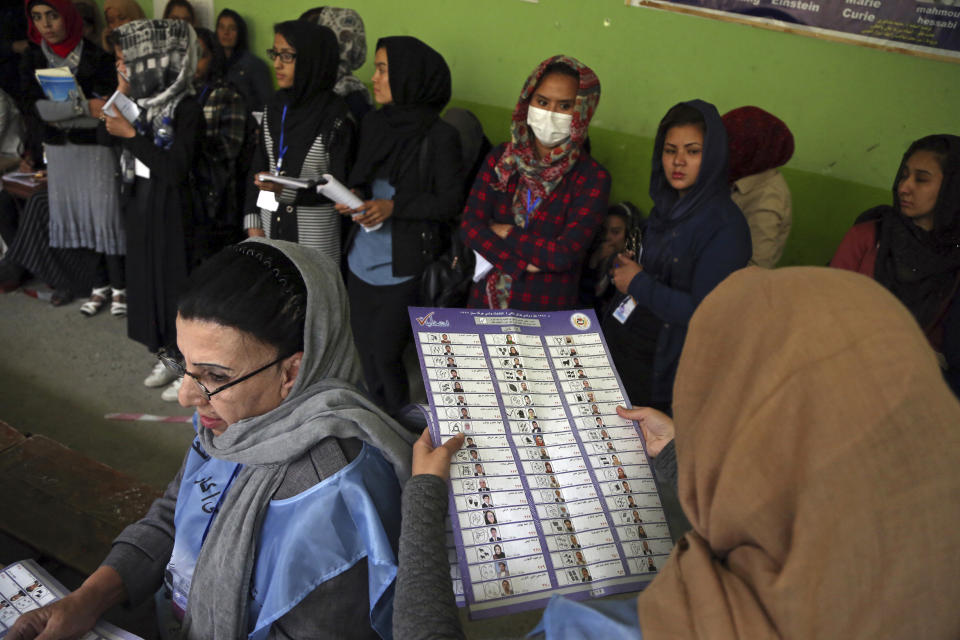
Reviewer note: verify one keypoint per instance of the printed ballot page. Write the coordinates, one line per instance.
(25, 586)
(552, 492)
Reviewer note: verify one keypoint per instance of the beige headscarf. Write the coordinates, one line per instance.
(819, 464)
(130, 10)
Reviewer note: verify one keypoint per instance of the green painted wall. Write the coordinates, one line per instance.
(853, 110)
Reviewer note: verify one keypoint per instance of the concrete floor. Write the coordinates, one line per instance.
(61, 373)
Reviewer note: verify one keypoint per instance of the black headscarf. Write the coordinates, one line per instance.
(921, 267)
(669, 207)
(310, 103)
(420, 85)
(241, 45)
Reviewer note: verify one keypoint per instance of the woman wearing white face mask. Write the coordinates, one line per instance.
(539, 199)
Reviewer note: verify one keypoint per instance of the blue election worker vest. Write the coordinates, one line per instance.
(571, 620)
(304, 541)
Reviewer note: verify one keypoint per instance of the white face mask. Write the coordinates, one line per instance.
(550, 127)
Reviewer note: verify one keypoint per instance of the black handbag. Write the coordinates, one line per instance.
(446, 281)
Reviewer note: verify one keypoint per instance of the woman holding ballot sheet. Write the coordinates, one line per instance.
(156, 63)
(307, 132)
(801, 471)
(410, 176)
(540, 198)
(283, 520)
(83, 190)
(695, 237)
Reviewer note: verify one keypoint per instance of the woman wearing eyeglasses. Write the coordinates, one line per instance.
(257, 533)
(307, 131)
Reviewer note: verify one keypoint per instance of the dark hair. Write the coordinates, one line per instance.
(112, 39)
(241, 29)
(252, 287)
(179, 3)
(563, 69)
(678, 116)
(945, 218)
(218, 63)
(935, 144)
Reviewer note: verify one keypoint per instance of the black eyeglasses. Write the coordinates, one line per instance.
(174, 361)
(285, 56)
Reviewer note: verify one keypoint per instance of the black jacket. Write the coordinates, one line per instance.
(427, 201)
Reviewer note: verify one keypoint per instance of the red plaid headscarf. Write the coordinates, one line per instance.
(541, 176)
(758, 141)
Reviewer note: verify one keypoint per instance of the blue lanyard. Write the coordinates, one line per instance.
(203, 94)
(213, 515)
(282, 148)
(530, 208)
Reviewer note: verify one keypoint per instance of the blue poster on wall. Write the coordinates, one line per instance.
(930, 27)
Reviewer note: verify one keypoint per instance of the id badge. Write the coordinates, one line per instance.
(140, 170)
(267, 201)
(624, 309)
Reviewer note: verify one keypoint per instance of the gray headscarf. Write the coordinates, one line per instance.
(325, 401)
(347, 25)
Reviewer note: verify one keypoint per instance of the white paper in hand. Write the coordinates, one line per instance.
(119, 103)
(482, 267)
(339, 193)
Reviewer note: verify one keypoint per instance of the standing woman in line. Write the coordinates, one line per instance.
(409, 172)
(696, 236)
(347, 25)
(307, 132)
(245, 71)
(117, 13)
(84, 195)
(540, 198)
(156, 63)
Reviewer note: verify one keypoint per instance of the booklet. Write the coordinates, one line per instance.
(58, 84)
(119, 102)
(25, 586)
(552, 492)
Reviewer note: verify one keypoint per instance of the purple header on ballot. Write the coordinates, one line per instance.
(552, 492)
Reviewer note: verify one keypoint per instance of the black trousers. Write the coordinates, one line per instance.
(381, 331)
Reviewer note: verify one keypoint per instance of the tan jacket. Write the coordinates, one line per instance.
(764, 199)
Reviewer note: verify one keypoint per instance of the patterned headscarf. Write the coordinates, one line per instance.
(161, 58)
(542, 176)
(758, 141)
(347, 25)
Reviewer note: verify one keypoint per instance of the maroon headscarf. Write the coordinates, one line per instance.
(758, 141)
(71, 18)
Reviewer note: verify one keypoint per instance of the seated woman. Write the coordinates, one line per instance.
(695, 237)
(409, 174)
(255, 535)
(540, 198)
(307, 131)
(785, 466)
(759, 143)
(913, 247)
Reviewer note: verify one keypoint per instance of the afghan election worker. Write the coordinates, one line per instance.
(83, 187)
(793, 469)
(913, 247)
(410, 177)
(695, 237)
(307, 132)
(283, 520)
(156, 63)
(539, 199)
(759, 143)
(347, 25)
(247, 72)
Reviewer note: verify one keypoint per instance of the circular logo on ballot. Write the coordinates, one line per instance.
(580, 321)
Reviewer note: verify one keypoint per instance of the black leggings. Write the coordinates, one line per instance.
(381, 331)
(111, 271)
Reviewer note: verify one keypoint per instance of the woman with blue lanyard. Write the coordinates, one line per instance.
(307, 131)
(283, 520)
(409, 173)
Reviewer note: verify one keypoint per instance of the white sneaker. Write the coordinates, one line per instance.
(170, 393)
(160, 376)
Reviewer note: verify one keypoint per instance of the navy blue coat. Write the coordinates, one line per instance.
(690, 245)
